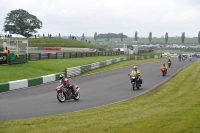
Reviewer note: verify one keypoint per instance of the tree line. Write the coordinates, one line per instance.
(21, 22)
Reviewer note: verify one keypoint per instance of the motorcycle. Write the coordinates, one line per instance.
(64, 93)
(164, 71)
(169, 63)
(190, 58)
(135, 82)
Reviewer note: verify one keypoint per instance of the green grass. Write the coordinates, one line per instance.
(45, 67)
(149, 53)
(174, 107)
(158, 40)
(56, 42)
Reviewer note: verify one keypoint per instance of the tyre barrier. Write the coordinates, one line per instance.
(74, 71)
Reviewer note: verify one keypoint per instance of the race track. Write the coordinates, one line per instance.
(96, 90)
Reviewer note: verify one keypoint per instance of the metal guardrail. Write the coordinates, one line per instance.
(60, 55)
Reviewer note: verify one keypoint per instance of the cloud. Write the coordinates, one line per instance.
(114, 16)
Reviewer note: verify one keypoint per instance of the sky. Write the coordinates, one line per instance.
(76, 17)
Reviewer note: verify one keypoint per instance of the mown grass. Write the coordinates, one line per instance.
(174, 107)
(45, 67)
(55, 42)
(149, 53)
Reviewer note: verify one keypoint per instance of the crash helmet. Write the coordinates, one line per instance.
(134, 67)
(62, 76)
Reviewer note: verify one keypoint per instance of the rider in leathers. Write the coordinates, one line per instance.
(164, 66)
(65, 82)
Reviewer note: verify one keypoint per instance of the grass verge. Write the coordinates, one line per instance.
(45, 67)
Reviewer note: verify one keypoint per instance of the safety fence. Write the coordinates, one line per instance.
(74, 71)
(13, 58)
(61, 55)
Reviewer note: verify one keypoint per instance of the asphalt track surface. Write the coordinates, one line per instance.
(96, 90)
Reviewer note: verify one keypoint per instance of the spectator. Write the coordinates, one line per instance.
(6, 51)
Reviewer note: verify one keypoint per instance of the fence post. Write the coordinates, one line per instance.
(56, 55)
(29, 56)
(39, 56)
(63, 55)
(48, 55)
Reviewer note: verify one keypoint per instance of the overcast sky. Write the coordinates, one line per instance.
(111, 16)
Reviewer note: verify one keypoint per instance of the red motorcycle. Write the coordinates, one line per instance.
(169, 63)
(164, 71)
(66, 93)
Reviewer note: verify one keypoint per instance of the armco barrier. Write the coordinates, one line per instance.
(74, 71)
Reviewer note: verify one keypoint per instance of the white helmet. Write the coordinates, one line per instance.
(134, 67)
(62, 76)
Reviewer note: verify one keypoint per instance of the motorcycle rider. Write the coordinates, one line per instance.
(169, 60)
(164, 66)
(179, 57)
(135, 72)
(65, 82)
(190, 57)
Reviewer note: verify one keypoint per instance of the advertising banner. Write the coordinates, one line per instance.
(3, 58)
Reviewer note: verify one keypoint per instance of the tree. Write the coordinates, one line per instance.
(199, 37)
(70, 36)
(183, 37)
(95, 37)
(136, 36)
(150, 36)
(83, 37)
(111, 35)
(122, 37)
(59, 35)
(43, 36)
(21, 22)
(166, 37)
(108, 36)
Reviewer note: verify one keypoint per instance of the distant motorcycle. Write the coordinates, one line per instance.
(190, 58)
(169, 63)
(136, 82)
(66, 94)
(164, 71)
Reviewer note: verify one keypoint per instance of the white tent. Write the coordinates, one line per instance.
(2, 35)
(17, 36)
(13, 35)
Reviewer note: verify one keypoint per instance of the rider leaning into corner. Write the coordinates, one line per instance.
(65, 82)
(135, 72)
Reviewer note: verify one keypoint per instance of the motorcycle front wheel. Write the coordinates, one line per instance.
(61, 97)
(77, 96)
(133, 86)
(163, 74)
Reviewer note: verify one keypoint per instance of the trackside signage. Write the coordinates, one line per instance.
(3, 58)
